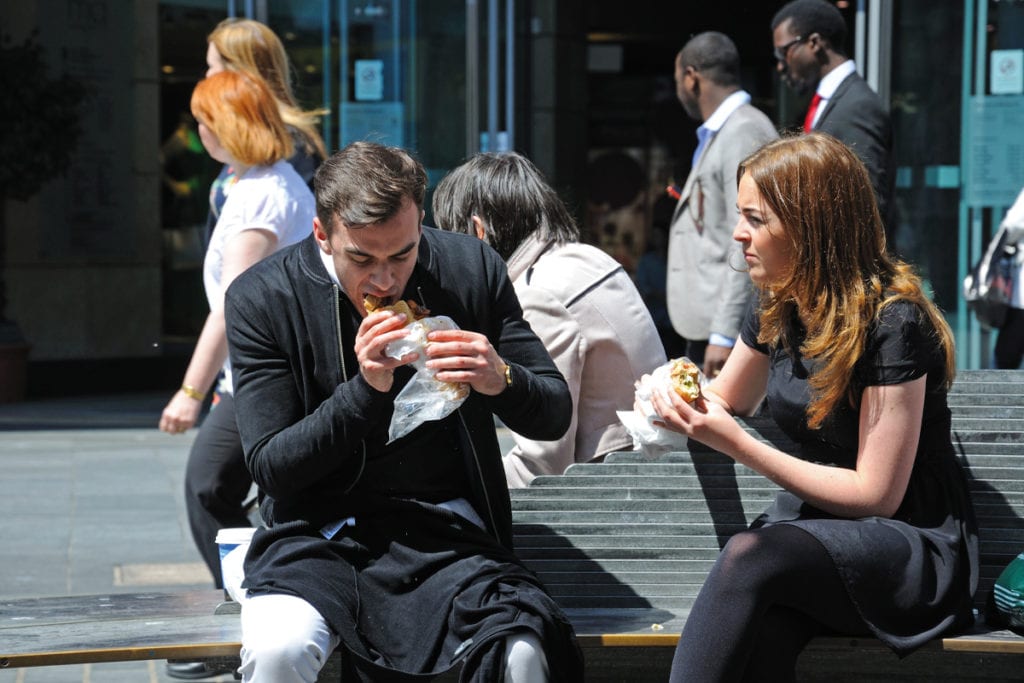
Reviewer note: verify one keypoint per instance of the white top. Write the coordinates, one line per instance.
(829, 84)
(272, 198)
(1014, 224)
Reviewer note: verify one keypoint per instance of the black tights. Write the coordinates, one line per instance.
(771, 590)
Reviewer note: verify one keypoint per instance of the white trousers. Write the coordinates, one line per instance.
(285, 640)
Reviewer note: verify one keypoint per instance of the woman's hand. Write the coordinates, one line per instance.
(180, 414)
(703, 420)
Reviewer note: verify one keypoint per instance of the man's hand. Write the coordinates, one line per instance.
(714, 359)
(463, 356)
(375, 333)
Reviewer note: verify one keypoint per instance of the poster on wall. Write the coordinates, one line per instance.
(995, 161)
(369, 80)
(1006, 72)
(381, 122)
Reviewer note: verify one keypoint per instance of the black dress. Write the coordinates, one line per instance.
(911, 577)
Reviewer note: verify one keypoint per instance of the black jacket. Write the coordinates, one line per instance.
(304, 410)
(856, 116)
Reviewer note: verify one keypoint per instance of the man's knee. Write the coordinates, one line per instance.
(525, 661)
(284, 640)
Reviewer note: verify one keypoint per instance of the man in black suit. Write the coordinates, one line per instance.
(809, 37)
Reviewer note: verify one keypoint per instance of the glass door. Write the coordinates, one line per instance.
(438, 77)
(391, 71)
(992, 148)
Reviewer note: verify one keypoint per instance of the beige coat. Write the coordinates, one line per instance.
(708, 289)
(593, 322)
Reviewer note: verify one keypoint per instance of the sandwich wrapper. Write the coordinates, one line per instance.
(423, 398)
(640, 422)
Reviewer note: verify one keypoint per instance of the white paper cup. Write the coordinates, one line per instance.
(233, 544)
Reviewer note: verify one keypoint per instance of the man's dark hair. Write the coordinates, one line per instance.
(715, 56)
(367, 183)
(509, 195)
(814, 16)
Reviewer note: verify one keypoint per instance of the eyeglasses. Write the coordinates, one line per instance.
(782, 51)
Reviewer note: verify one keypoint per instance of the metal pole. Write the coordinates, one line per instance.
(859, 52)
(492, 75)
(879, 52)
(326, 75)
(472, 78)
(510, 73)
(342, 69)
(968, 234)
(411, 93)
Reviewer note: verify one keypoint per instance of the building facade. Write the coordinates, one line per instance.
(103, 265)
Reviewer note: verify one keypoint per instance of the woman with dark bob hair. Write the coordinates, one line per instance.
(578, 299)
(873, 532)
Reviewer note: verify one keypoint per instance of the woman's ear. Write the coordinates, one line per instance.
(478, 227)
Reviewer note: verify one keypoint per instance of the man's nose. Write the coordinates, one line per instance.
(382, 278)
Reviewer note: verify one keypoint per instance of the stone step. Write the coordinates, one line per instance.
(984, 453)
(958, 402)
(989, 505)
(713, 486)
(595, 544)
(1001, 468)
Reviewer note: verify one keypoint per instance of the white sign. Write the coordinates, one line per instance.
(369, 80)
(1007, 72)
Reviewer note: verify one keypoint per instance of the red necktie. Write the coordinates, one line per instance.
(809, 119)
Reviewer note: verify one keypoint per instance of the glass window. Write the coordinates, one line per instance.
(186, 169)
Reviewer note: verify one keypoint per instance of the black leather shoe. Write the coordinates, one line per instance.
(194, 671)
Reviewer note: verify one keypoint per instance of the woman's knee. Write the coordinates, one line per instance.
(741, 548)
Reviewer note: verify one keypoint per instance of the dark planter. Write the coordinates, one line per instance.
(13, 365)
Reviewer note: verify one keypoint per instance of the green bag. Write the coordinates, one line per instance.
(1008, 594)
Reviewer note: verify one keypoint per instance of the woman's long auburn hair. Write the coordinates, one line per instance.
(841, 275)
(250, 46)
(243, 114)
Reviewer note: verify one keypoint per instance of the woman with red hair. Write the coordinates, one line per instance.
(269, 207)
(874, 532)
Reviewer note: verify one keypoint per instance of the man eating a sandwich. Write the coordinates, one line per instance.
(400, 553)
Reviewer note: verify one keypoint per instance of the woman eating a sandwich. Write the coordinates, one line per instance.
(873, 532)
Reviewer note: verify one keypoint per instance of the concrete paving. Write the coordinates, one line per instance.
(92, 502)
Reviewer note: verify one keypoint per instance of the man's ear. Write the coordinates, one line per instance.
(478, 227)
(817, 44)
(321, 236)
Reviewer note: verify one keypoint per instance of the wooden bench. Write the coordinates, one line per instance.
(624, 547)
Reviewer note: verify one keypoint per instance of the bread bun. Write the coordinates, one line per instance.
(685, 377)
(414, 313)
(410, 308)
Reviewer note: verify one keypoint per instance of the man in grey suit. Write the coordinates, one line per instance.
(707, 288)
(809, 36)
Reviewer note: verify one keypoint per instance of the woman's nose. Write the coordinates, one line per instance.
(738, 233)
